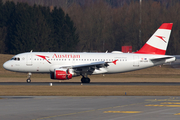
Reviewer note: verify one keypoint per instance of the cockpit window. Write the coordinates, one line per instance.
(15, 58)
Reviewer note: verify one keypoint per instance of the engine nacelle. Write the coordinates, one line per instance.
(61, 74)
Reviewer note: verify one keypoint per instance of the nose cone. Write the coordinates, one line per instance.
(6, 65)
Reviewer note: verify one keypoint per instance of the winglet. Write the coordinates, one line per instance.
(158, 42)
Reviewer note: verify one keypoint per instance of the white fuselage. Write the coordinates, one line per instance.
(30, 62)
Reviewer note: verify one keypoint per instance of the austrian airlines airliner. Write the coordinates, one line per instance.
(65, 65)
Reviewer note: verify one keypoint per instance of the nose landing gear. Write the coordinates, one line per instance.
(29, 78)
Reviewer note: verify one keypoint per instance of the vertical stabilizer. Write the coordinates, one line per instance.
(158, 42)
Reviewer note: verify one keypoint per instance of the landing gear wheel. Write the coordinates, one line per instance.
(28, 80)
(85, 80)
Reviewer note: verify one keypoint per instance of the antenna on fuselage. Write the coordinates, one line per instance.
(31, 50)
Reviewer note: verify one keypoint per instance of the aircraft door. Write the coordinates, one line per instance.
(29, 59)
(136, 61)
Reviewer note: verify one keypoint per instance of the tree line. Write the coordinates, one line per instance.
(91, 25)
(102, 27)
(38, 28)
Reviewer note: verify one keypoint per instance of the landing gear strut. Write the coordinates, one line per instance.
(85, 80)
(29, 78)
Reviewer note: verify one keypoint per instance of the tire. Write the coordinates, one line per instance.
(85, 80)
(28, 80)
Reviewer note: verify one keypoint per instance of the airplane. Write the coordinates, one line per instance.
(65, 65)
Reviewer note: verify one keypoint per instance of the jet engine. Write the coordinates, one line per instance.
(61, 74)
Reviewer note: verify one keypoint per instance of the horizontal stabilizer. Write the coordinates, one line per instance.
(155, 60)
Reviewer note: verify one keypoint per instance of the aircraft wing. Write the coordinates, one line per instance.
(93, 64)
(87, 69)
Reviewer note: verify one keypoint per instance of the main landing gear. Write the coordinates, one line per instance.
(85, 80)
(29, 78)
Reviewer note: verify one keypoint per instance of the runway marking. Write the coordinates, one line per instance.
(177, 114)
(164, 105)
(161, 100)
(122, 111)
(170, 103)
(49, 117)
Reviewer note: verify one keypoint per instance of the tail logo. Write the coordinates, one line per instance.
(162, 38)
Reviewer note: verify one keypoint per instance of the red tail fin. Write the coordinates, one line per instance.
(158, 42)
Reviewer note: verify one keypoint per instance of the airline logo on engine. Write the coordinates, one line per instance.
(66, 56)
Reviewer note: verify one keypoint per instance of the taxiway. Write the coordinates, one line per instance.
(90, 108)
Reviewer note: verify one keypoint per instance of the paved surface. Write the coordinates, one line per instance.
(92, 83)
(90, 108)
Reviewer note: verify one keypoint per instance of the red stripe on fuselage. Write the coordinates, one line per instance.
(147, 49)
(167, 26)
